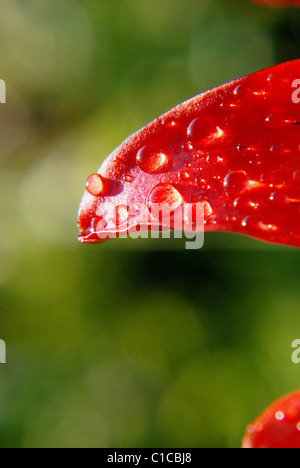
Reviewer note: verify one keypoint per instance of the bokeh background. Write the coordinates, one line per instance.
(131, 343)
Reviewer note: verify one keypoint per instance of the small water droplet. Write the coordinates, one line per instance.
(242, 204)
(279, 416)
(276, 120)
(150, 160)
(242, 92)
(279, 198)
(214, 159)
(251, 429)
(165, 194)
(203, 127)
(98, 224)
(251, 223)
(236, 182)
(128, 178)
(94, 185)
(296, 176)
(184, 175)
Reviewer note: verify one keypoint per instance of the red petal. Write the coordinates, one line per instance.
(278, 426)
(278, 2)
(235, 149)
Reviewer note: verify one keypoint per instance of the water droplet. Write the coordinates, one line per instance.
(251, 223)
(279, 416)
(128, 178)
(276, 120)
(98, 224)
(242, 204)
(296, 176)
(236, 182)
(279, 198)
(251, 429)
(213, 159)
(165, 194)
(203, 127)
(242, 92)
(184, 175)
(149, 160)
(94, 185)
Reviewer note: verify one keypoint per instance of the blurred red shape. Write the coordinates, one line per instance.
(278, 426)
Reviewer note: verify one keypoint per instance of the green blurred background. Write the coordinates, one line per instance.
(131, 343)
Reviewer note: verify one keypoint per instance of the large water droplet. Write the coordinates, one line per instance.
(165, 194)
(149, 160)
(98, 224)
(236, 182)
(94, 185)
(202, 128)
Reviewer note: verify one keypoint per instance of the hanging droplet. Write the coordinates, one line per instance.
(94, 185)
(149, 160)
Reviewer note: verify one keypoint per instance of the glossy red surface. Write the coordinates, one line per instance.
(278, 426)
(235, 148)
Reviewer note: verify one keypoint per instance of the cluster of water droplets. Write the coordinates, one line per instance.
(196, 162)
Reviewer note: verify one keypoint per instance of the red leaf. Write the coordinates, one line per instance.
(278, 426)
(278, 2)
(235, 148)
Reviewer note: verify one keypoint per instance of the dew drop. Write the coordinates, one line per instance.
(251, 223)
(241, 204)
(94, 185)
(214, 159)
(184, 175)
(275, 120)
(202, 128)
(149, 160)
(241, 92)
(296, 176)
(251, 429)
(165, 194)
(236, 182)
(279, 416)
(98, 224)
(279, 198)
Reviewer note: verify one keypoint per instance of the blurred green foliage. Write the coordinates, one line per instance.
(131, 343)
